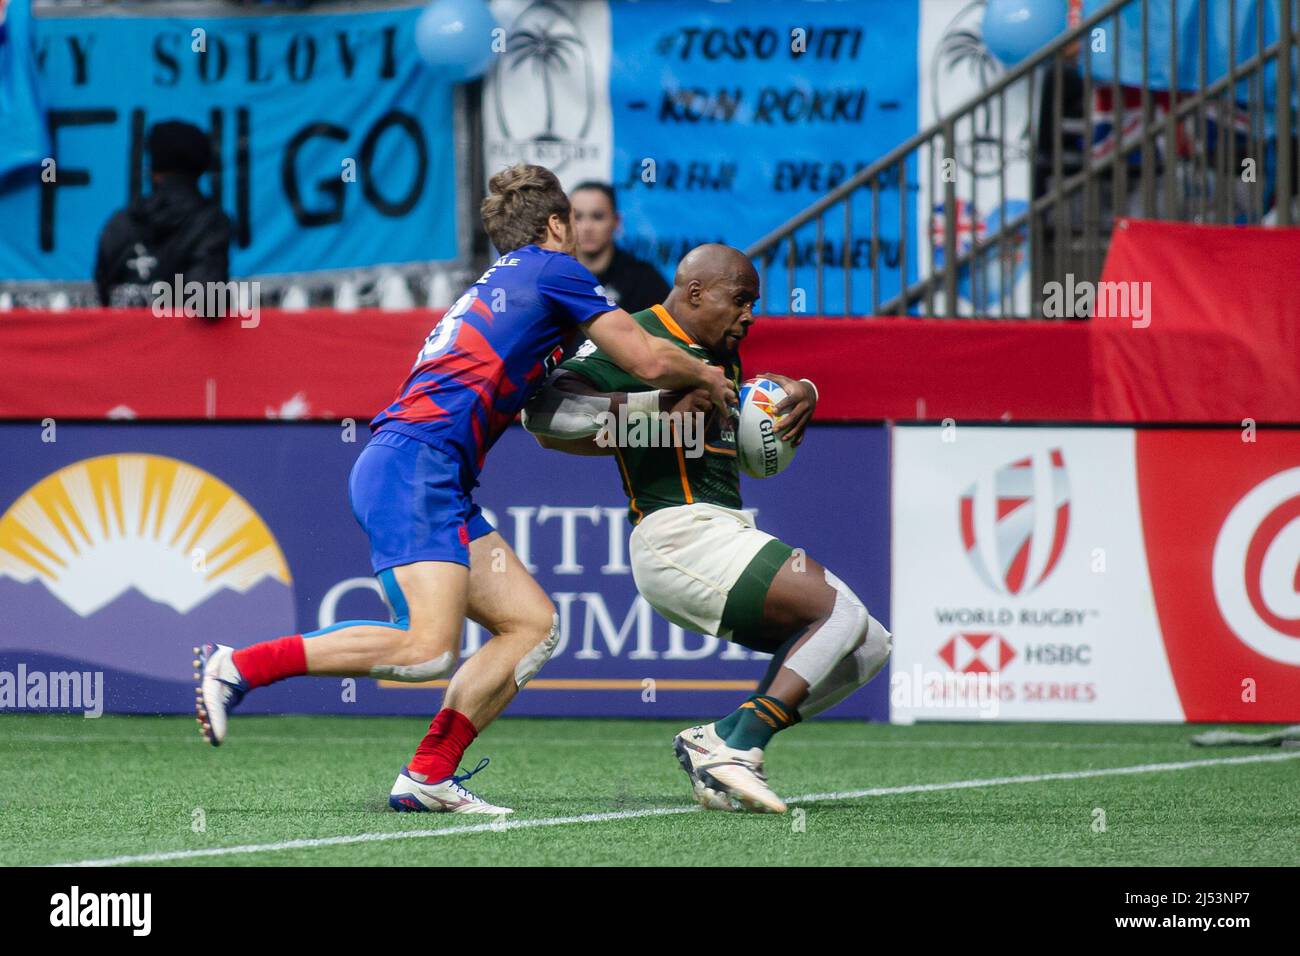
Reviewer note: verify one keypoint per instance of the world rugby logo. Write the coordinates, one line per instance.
(1257, 568)
(1014, 522)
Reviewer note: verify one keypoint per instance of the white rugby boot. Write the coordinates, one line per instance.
(693, 747)
(739, 774)
(219, 690)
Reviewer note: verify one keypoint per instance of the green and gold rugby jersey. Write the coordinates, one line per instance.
(665, 477)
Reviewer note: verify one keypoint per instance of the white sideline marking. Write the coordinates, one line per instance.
(189, 739)
(668, 811)
(1041, 777)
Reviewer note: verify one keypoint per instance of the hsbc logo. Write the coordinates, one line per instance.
(1014, 522)
(1257, 568)
(977, 653)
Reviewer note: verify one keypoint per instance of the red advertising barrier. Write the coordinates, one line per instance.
(321, 364)
(1223, 339)
(1217, 339)
(918, 368)
(131, 364)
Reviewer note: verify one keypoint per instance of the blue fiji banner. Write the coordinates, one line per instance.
(730, 118)
(23, 138)
(123, 545)
(334, 139)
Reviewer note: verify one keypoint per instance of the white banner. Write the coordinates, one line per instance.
(954, 67)
(546, 99)
(1020, 580)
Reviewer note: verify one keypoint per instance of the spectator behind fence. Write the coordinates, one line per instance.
(175, 230)
(629, 281)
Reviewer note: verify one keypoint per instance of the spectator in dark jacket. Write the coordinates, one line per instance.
(173, 230)
(629, 281)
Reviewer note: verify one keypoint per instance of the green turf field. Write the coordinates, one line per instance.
(74, 790)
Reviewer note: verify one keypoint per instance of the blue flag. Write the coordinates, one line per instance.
(24, 140)
(1185, 73)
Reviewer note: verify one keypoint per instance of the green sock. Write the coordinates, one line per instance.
(755, 721)
(727, 724)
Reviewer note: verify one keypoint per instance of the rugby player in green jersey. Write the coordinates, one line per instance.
(696, 557)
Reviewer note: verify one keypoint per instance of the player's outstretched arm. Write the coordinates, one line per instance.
(657, 361)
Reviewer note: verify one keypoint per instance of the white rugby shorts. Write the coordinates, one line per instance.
(686, 560)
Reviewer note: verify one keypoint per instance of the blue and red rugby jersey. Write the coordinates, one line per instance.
(491, 351)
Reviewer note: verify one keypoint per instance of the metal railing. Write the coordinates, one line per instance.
(1221, 152)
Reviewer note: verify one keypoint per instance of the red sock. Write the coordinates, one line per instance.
(271, 661)
(440, 751)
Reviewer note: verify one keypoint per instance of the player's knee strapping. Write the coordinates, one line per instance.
(852, 672)
(440, 666)
(875, 650)
(532, 662)
(842, 631)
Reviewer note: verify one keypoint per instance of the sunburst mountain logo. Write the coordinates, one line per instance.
(149, 554)
(95, 529)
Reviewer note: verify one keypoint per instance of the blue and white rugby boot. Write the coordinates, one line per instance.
(443, 796)
(220, 689)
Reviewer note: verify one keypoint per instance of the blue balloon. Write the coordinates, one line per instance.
(455, 37)
(1016, 29)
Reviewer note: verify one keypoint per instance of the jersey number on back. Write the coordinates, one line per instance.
(444, 333)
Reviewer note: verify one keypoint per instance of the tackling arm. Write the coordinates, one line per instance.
(568, 413)
(656, 361)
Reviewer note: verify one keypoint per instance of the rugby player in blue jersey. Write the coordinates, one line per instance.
(436, 557)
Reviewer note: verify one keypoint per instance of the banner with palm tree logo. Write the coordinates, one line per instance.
(716, 121)
(546, 101)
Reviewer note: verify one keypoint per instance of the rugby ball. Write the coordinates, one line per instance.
(762, 453)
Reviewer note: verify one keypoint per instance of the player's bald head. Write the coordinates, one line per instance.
(714, 263)
(714, 290)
